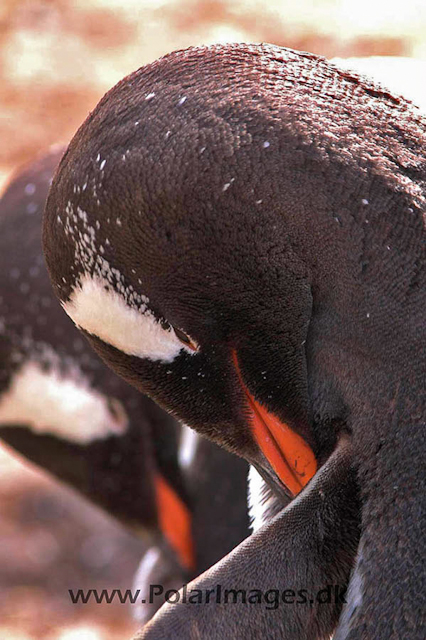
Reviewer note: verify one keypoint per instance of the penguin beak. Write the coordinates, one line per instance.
(175, 522)
(290, 457)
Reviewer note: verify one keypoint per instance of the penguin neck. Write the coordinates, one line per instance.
(391, 474)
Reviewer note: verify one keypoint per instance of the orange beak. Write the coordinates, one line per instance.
(289, 455)
(175, 522)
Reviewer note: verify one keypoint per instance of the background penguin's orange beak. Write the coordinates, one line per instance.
(175, 522)
(289, 455)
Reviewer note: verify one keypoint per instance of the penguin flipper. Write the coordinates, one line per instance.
(305, 554)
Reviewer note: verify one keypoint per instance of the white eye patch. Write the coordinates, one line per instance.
(66, 406)
(104, 313)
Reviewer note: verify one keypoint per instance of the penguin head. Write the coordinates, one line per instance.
(184, 298)
(178, 237)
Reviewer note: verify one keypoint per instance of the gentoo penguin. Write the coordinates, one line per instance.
(63, 409)
(238, 230)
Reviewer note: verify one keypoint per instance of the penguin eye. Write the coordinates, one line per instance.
(180, 335)
(186, 340)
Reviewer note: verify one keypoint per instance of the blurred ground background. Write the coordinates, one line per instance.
(57, 58)
(51, 541)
